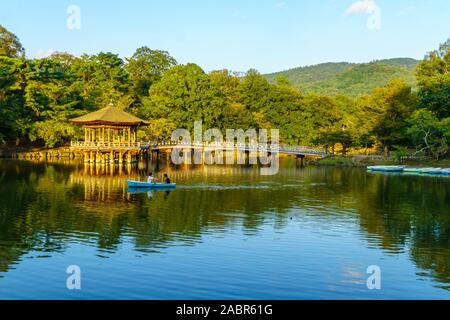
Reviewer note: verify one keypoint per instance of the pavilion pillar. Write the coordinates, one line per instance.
(86, 156)
(111, 157)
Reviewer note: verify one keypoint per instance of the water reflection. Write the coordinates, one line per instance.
(46, 206)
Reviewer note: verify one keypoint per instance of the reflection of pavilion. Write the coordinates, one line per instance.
(105, 183)
(110, 135)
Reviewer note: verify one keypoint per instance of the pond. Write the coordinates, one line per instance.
(226, 232)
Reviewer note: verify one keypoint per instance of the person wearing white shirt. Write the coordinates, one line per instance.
(150, 178)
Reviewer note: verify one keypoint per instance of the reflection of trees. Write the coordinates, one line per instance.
(43, 207)
(401, 212)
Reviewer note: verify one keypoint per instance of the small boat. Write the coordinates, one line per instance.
(386, 168)
(139, 184)
(431, 170)
(416, 170)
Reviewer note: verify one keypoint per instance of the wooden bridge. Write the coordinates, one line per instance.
(130, 151)
(274, 149)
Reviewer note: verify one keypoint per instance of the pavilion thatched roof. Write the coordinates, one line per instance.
(110, 115)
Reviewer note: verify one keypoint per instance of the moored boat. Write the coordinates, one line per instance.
(417, 170)
(431, 170)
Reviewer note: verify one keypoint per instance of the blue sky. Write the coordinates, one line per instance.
(268, 35)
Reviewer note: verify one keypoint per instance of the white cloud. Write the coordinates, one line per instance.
(280, 4)
(362, 6)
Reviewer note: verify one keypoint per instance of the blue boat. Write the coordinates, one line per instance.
(138, 184)
(386, 168)
(412, 170)
(431, 170)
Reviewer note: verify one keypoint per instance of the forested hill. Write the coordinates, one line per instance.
(349, 79)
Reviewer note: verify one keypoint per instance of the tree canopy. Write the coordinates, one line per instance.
(10, 45)
(39, 96)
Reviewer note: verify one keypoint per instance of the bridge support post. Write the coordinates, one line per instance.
(302, 160)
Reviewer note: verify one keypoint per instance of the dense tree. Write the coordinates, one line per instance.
(146, 67)
(350, 79)
(183, 95)
(10, 45)
(101, 79)
(50, 100)
(397, 103)
(433, 75)
(235, 113)
(429, 134)
(12, 96)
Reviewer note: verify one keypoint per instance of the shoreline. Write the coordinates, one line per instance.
(355, 161)
(362, 162)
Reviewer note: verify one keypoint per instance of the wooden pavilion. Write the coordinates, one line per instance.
(110, 135)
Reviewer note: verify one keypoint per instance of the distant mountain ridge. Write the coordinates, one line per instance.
(351, 79)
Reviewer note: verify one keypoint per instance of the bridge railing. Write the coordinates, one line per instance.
(111, 145)
(249, 147)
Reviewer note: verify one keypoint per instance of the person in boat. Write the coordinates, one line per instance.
(150, 178)
(166, 179)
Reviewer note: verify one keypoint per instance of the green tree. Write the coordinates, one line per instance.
(146, 67)
(397, 103)
(235, 113)
(10, 45)
(12, 88)
(183, 95)
(429, 134)
(101, 79)
(322, 119)
(433, 75)
(50, 100)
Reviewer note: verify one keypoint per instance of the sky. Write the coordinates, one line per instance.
(267, 35)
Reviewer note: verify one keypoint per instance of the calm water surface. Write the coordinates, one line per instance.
(225, 233)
